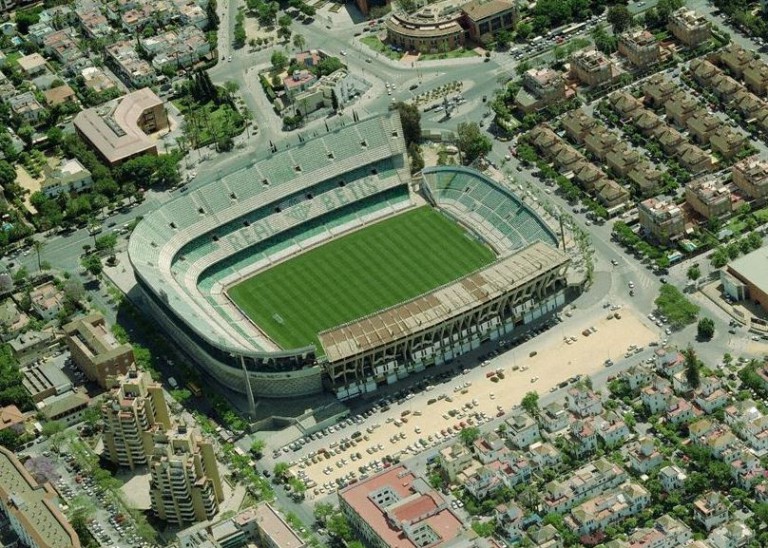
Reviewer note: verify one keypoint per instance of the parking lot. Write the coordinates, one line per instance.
(410, 422)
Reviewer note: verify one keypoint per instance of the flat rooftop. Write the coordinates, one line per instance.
(753, 267)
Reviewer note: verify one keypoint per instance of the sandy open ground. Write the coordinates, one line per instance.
(554, 362)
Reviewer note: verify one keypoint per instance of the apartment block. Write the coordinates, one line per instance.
(130, 412)
(592, 68)
(30, 510)
(639, 47)
(664, 220)
(185, 486)
(751, 176)
(689, 27)
(95, 350)
(709, 198)
(541, 88)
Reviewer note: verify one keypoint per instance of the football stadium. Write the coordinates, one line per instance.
(325, 267)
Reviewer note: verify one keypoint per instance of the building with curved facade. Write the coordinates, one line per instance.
(428, 30)
(187, 253)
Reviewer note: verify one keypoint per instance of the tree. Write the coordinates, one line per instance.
(406, 6)
(692, 368)
(280, 469)
(672, 304)
(410, 119)
(74, 290)
(257, 448)
(7, 174)
(299, 42)
(619, 18)
(472, 142)
(323, 511)
(92, 263)
(334, 101)
(523, 31)
(38, 246)
(278, 60)
(530, 403)
(338, 526)
(705, 329)
(469, 435)
(694, 272)
(52, 427)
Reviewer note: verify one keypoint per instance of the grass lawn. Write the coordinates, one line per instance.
(374, 268)
(208, 120)
(453, 54)
(375, 44)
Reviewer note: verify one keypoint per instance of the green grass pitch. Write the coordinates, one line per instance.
(379, 266)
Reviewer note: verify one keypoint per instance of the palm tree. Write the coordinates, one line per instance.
(38, 247)
(299, 42)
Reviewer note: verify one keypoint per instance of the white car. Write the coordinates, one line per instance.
(342, 52)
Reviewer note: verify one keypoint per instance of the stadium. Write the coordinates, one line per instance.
(324, 267)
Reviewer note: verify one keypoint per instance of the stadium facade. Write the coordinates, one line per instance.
(187, 253)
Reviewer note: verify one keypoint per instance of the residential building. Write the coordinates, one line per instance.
(639, 47)
(734, 534)
(27, 108)
(622, 160)
(736, 58)
(12, 319)
(544, 456)
(751, 176)
(709, 198)
(119, 130)
(592, 68)
(727, 142)
(746, 469)
(129, 66)
(603, 510)
(60, 95)
(93, 22)
(654, 397)
(710, 510)
(583, 402)
(680, 107)
(611, 428)
(658, 89)
(554, 417)
(679, 410)
(741, 412)
(12, 417)
(667, 532)
(589, 480)
(485, 18)
(669, 361)
(756, 77)
(522, 430)
(69, 176)
(510, 520)
(702, 125)
(644, 457)
(689, 27)
(31, 510)
(191, 14)
(578, 124)
(454, 459)
(67, 408)
(32, 65)
(664, 220)
(541, 88)
(62, 47)
(95, 350)
(583, 437)
(611, 194)
(47, 301)
(130, 412)
(395, 508)
(600, 142)
(693, 159)
(262, 524)
(710, 395)
(97, 80)
(185, 486)
(754, 432)
(624, 103)
(545, 537)
(178, 49)
(672, 478)
(637, 376)
(489, 447)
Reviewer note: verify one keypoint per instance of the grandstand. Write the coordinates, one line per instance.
(187, 252)
(187, 255)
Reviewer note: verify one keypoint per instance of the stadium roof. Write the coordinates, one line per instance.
(160, 240)
(753, 267)
(441, 304)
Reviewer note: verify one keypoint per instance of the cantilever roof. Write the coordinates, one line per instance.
(442, 304)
